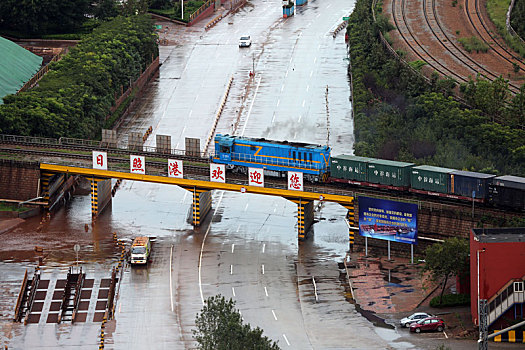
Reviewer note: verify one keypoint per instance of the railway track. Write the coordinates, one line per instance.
(201, 172)
(462, 65)
(480, 26)
(411, 40)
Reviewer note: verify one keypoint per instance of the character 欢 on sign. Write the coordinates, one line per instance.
(217, 172)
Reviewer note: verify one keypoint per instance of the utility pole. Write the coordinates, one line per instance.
(327, 118)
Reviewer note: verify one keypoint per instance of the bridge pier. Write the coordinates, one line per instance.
(305, 217)
(201, 205)
(353, 224)
(100, 195)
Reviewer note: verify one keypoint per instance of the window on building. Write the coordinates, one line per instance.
(518, 287)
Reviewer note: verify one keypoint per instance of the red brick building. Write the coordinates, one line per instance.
(499, 254)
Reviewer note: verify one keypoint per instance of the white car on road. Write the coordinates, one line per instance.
(407, 321)
(245, 41)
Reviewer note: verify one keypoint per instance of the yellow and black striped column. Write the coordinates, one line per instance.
(201, 205)
(44, 186)
(352, 222)
(305, 217)
(100, 195)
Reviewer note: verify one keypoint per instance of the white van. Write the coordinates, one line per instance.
(140, 250)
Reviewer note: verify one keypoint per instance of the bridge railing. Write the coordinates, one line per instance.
(305, 164)
(91, 144)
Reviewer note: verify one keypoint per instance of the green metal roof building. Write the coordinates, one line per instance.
(17, 66)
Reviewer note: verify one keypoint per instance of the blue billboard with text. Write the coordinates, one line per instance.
(389, 220)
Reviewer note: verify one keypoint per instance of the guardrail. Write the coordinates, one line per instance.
(509, 26)
(32, 293)
(65, 142)
(504, 299)
(18, 307)
(213, 22)
(201, 9)
(218, 114)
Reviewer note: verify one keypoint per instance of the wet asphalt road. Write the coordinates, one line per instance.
(248, 248)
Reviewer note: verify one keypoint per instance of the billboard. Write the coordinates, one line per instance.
(389, 220)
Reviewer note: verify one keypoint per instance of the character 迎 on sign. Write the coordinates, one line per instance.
(175, 168)
(217, 172)
(100, 160)
(137, 164)
(295, 181)
(256, 177)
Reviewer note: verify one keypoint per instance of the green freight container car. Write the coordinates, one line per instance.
(349, 167)
(431, 178)
(389, 172)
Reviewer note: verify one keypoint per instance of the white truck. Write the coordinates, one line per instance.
(140, 250)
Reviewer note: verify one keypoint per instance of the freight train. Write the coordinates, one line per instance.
(317, 165)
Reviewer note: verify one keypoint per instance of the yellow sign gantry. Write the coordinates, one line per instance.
(209, 185)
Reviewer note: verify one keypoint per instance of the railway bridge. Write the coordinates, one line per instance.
(62, 161)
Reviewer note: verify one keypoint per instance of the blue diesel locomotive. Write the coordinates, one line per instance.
(275, 157)
(315, 162)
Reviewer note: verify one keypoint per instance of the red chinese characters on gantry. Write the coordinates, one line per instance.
(295, 181)
(138, 165)
(217, 173)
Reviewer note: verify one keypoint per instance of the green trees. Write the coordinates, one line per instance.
(75, 97)
(447, 259)
(220, 327)
(398, 115)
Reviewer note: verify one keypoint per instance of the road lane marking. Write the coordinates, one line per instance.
(273, 312)
(233, 291)
(446, 336)
(304, 101)
(184, 198)
(233, 245)
(263, 269)
(315, 59)
(311, 73)
(318, 46)
(307, 87)
(273, 119)
(265, 291)
(295, 135)
(191, 112)
(196, 97)
(286, 74)
(171, 284)
(282, 88)
(264, 246)
(184, 129)
(238, 227)
(291, 59)
(286, 339)
(274, 209)
(299, 120)
(246, 207)
(250, 110)
(318, 15)
(278, 101)
(202, 249)
(231, 269)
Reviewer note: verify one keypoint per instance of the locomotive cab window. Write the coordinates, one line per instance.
(293, 155)
(225, 149)
(310, 156)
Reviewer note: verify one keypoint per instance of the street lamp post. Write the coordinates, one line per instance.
(477, 263)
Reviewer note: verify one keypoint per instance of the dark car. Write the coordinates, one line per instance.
(428, 324)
